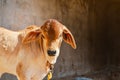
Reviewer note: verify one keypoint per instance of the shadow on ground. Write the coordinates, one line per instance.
(7, 76)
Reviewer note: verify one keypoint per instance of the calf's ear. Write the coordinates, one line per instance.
(31, 36)
(68, 37)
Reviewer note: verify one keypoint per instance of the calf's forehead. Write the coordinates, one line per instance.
(52, 29)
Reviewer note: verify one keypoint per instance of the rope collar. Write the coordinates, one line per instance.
(50, 66)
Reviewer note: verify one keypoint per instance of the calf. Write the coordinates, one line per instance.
(30, 53)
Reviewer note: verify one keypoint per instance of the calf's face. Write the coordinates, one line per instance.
(52, 33)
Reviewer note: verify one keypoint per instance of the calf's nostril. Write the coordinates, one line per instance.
(51, 53)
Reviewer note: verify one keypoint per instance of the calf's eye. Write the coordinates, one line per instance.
(60, 35)
(43, 36)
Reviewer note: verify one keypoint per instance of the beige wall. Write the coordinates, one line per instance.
(94, 23)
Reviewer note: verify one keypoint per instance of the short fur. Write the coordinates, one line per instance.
(24, 53)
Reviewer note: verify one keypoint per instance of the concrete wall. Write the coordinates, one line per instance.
(94, 23)
(104, 35)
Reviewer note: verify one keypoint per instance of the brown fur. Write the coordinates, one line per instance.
(24, 53)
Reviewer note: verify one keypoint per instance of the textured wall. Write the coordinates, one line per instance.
(17, 14)
(94, 23)
(104, 36)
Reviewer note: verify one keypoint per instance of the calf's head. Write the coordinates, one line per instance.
(51, 33)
